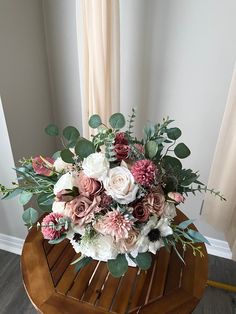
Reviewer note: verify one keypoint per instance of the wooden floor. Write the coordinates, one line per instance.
(13, 299)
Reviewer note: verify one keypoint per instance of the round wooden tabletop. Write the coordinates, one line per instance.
(53, 286)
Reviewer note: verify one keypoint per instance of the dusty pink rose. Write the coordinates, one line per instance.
(155, 203)
(48, 226)
(126, 245)
(43, 165)
(144, 172)
(116, 225)
(81, 209)
(88, 186)
(176, 197)
(140, 212)
(66, 195)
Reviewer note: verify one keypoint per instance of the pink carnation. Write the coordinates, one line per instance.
(43, 165)
(51, 229)
(144, 172)
(116, 225)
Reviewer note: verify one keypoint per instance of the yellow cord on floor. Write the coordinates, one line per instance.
(221, 285)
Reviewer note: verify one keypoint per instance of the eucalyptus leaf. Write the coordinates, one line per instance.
(95, 121)
(182, 151)
(84, 148)
(30, 216)
(56, 155)
(12, 194)
(197, 236)
(144, 260)
(71, 134)
(151, 149)
(83, 262)
(59, 240)
(184, 224)
(52, 130)
(67, 156)
(117, 121)
(25, 197)
(171, 162)
(173, 133)
(117, 267)
(45, 201)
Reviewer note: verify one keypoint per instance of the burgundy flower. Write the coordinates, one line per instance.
(106, 200)
(154, 202)
(121, 138)
(43, 165)
(140, 212)
(81, 209)
(144, 172)
(122, 151)
(50, 227)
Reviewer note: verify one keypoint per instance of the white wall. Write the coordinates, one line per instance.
(61, 36)
(25, 93)
(177, 59)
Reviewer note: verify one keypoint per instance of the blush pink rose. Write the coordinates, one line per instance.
(176, 197)
(50, 227)
(140, 212)
(43, 165)
(126, 245)
(155, 203)
(88, 186)
(81, 209)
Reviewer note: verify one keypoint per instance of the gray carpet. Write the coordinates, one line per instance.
(13, 299)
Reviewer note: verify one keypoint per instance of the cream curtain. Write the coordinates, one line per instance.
(99, 58)
(222, 215)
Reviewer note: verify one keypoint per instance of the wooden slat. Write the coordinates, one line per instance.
(47, 247)
(124, 291)
(160, 274)
(67, 280)
(94, 289)
(174, 272)
(82, 280)
(62, 263)
(109, 292)
(55, 253)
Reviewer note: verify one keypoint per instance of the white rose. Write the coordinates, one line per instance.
(169, 210)
(61, 165)
(120, 185)
(96, 166)
(66, 182)
(58, 207)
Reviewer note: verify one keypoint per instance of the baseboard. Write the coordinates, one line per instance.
(14, 245)
(219, 248)
(11, 244)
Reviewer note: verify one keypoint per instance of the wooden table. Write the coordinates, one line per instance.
(53, 287)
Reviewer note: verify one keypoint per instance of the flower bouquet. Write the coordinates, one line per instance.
(113, 197)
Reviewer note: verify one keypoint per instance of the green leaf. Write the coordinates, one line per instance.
(56, 155)
(67, 156)
(45, 201)
(117, 121)
(184, 224)
(173, 133)
(84, 148)
(197, 236)
(52, 130)
(83, 262)
(144, 260)
(182, 151)
(25, 197)
(30, 216)
(59, 240)
(117, 267)
(95, 121)
(171, 162)
(71, 134)
(12, 194)
(151, 149)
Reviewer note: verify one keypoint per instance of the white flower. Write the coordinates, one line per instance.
(58, 207)
(164, 226)
(100, 248)
(66, 181)
(120, 185)
(169, 210)
(96, 166)
(61, 165)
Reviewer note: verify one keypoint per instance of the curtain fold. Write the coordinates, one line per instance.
(99, 58)
(222, 215)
